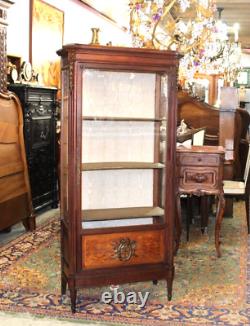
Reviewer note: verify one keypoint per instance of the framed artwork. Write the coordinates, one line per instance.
(46, 29)
(243, 78)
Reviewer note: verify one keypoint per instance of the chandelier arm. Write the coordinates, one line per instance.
(132, 12)
(166, 11)
(159, 42)
(218, 55)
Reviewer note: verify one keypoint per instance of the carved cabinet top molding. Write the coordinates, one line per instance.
(95, 54)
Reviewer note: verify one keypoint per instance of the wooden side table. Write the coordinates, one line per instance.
(200, 173)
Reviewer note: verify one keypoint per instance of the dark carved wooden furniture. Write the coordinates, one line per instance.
(15, 196)
(227, 127)
(39, 112)
(200, 173)
(117, 183)
(198, 114)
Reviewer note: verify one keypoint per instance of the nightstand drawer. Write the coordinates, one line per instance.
(198, 159)
(120, 249)
(200, 178)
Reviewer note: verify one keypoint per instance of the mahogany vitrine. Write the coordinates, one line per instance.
(118, 186)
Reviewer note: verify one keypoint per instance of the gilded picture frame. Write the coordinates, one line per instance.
(46, 37)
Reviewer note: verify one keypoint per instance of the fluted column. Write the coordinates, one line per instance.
(4, 5)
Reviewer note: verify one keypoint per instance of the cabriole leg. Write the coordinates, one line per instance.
(219, 217)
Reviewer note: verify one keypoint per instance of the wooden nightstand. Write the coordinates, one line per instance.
(200, 172)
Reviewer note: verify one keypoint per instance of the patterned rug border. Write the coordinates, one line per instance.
(47, 228)
(80, 318)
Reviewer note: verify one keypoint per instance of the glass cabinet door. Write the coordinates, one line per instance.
(123, 142)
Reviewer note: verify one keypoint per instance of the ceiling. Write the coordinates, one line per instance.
(235, 11)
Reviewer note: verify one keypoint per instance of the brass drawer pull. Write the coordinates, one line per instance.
(125, 249)
(198, 177)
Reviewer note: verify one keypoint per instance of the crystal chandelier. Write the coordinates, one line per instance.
(171, 24)
(219, 55)
(190, 27)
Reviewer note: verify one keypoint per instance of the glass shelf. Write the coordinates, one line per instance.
(121, 213)
(120, 165)
(98, 118)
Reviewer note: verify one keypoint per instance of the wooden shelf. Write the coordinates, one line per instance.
(120, 213)
(121, 119)
(120, 165)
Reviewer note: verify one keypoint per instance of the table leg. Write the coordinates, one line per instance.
(189, 213)
(204, 213)
(228, 207)
(177, 223)
(219, 217)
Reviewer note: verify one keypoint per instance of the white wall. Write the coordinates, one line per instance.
(245, 60)
(78, 22)
(18, 29)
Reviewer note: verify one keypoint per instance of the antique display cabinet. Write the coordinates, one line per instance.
(40, 117)
(118, 186)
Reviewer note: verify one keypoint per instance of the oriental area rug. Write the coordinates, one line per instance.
(207, 290)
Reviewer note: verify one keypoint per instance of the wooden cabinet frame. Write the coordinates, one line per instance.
(136, 252)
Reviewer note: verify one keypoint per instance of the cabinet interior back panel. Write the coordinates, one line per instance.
(123, 94)
(117, 141)
(117, 189)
